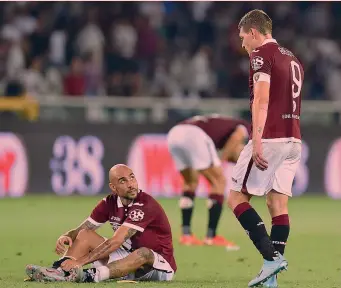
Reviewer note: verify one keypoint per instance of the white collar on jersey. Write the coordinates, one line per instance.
(120, 204)
(266, 41)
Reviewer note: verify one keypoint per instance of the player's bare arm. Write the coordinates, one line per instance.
(87, 225)
(234, 145)
(104, 250)
(259, 115)
(70, 236)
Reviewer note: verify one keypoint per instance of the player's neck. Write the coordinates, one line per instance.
(265, 37)
(125, 201)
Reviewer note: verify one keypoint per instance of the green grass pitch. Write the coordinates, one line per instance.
(31, 225)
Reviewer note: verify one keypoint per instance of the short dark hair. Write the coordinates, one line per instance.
(258, 20)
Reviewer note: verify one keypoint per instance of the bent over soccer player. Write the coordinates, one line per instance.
(193, 145)
(140, 249)
(268, 163)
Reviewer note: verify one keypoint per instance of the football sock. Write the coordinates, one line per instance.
(215, 207)
(280, 232)
(89, 275)
(186, 205)
(255, 228)
(99, 274)
(59, 262)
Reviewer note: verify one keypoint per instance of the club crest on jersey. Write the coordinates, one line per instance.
(136, 215)
(257, 63)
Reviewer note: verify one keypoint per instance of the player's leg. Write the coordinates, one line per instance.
(215, 176)
(85, 242)
(249, 180)
(277, 201)
(133, 262)
(181, 144)
(143, 264)
(277, 198)
(278, 209)
(186, 203)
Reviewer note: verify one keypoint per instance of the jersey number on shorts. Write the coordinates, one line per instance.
(297, 82)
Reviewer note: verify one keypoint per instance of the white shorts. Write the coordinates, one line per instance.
(162, 270)
(191, 147)
(283, 160)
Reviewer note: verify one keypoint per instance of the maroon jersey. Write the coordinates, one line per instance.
(217, 127)
(146, 216)
(278, 66)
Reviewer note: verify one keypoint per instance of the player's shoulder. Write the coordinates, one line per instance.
(110, 200)
(262, 55)
(267, 49)
(144, 198)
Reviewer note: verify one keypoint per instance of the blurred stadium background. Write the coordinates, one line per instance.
(85, 85)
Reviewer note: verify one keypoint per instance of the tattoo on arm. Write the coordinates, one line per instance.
(87, 225)
(107, 247)
(101, 252)
(131, 232)
(260, 130)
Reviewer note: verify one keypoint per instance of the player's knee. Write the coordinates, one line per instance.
(191, 186)
(145, 256)
(219, 184)
(235, 198)
(276, 206)
(85, 235)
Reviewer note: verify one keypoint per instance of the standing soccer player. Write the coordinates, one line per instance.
(268, 163)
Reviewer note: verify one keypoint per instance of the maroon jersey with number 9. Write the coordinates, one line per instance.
(278, 66)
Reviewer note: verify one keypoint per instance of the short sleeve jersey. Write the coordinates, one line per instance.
(278, 66)
(146, 216)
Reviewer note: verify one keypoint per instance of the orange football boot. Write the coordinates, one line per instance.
(221, 241)
(190, 240)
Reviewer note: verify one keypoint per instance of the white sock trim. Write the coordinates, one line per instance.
(102, 273)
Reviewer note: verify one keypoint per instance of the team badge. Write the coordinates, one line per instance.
(257, 63)
(136, 215)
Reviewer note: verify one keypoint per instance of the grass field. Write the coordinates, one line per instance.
(31, 225)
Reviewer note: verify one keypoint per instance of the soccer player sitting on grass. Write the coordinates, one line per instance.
(140, 249)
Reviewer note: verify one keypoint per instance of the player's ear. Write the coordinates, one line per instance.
(112, 187)
(253, 33)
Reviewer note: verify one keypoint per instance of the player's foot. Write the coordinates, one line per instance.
(269, 269)
(80, 275)
(44, 274)
(31, 269)
(221, 241)
(190, 240)
(271, 282)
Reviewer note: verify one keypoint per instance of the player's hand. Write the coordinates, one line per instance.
(61, 244)
(257, 156)
(69, 264)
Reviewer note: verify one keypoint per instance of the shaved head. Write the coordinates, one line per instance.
(122, 182)
(116, 171)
